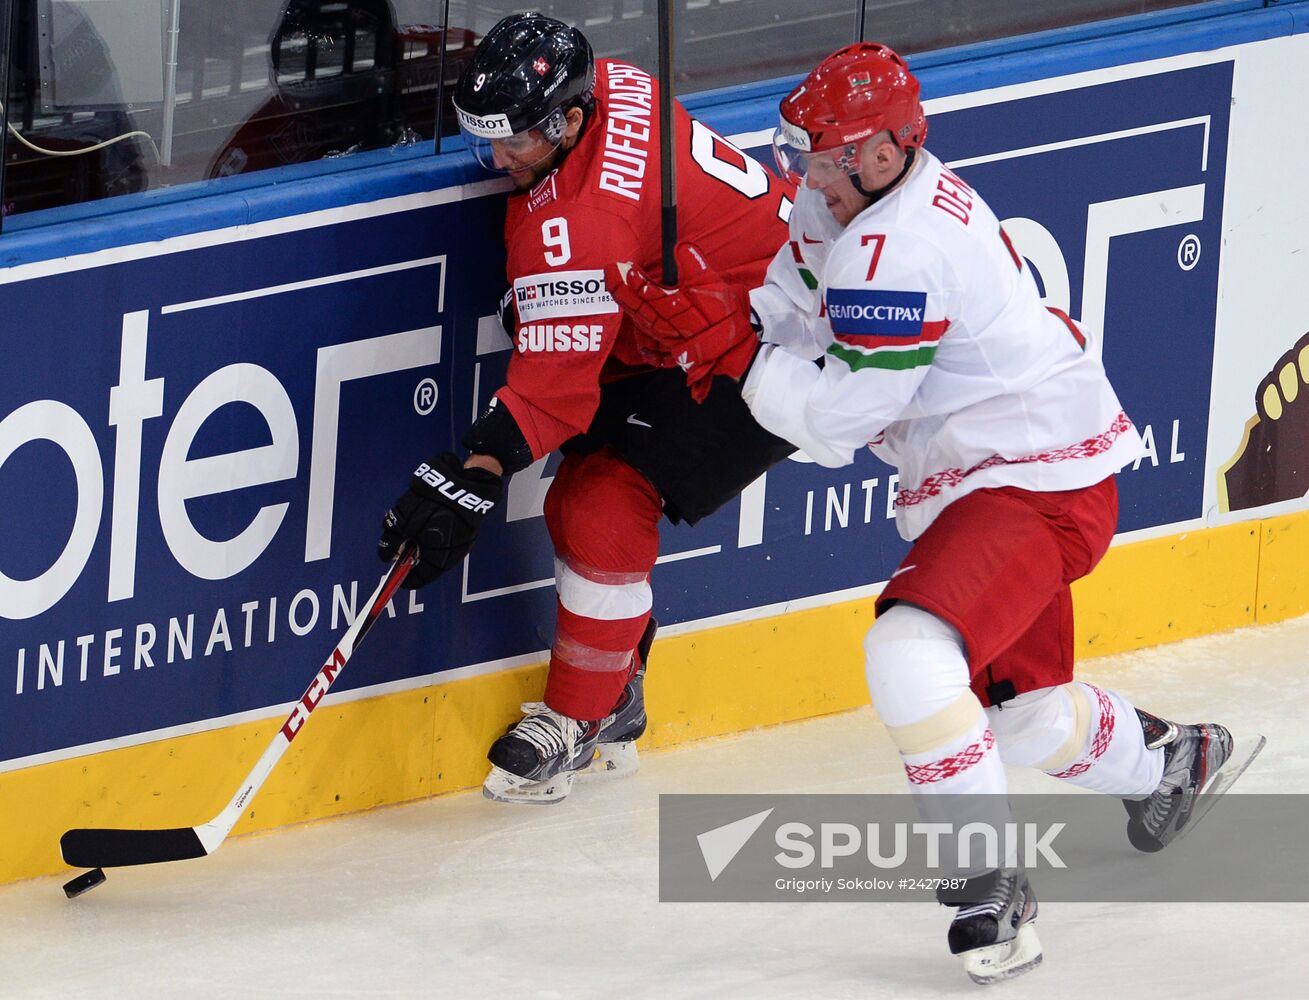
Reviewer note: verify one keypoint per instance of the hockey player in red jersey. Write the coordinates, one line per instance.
(580, 140)
(900, 316)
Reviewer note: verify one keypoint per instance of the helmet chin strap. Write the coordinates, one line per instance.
(877, 195)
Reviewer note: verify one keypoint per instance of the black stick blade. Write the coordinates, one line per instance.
(117, 848)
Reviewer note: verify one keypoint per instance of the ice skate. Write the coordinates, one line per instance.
(994, 930)
(616, 755)
(536, 760)
(1200, 763)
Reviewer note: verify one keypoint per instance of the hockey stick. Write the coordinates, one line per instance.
(100, 848)
(667, 156)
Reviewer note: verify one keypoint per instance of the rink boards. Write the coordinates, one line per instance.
(200, 427)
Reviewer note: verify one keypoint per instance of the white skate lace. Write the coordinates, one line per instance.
(1177, 777)
(1157, 810)
(994, 903)
(547, 730)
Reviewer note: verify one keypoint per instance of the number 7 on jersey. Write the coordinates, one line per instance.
(879, 239)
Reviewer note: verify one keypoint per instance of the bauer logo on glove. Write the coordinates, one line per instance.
(451, 492)
(441, 512)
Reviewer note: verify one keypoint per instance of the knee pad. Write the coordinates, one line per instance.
(1046, 729)
(918, 679)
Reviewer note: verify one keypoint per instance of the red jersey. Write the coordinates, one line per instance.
(602, 204)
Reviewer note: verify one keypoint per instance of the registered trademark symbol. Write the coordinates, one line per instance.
(1188, 252)
(425, 396)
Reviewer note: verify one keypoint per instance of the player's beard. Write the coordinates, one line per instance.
(529, 177)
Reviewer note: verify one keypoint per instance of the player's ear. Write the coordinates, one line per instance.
(573, 118)
(880, 152)
(888, 153)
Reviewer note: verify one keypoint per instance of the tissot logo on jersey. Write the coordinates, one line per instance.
(562, 294)
(559, 289)
(872, 312)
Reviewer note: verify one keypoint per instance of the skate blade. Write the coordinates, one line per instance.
(613, 760)
(998, 962)
(1244, 750)
(502, 786)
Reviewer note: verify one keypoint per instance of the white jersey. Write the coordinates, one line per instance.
(936, 352)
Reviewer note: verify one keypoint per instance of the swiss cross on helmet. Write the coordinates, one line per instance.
(854, 93)
(526, 73)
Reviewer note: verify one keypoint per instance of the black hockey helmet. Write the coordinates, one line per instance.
(526, 73)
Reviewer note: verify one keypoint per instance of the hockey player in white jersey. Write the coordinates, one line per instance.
(900, 316)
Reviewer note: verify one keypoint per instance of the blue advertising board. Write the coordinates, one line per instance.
(198, 437)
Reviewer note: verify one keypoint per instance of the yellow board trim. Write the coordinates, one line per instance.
(1169, 588)
(408, 745)
(1283, 577)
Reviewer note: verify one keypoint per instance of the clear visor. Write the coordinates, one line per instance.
(520, 151)
(823, 167)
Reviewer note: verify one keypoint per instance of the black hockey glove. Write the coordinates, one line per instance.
(441, 512)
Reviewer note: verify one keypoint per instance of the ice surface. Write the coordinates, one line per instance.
(460, 897)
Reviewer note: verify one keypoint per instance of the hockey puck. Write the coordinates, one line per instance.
(84, 882)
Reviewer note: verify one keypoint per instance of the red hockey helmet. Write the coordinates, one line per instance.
(855, 92)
